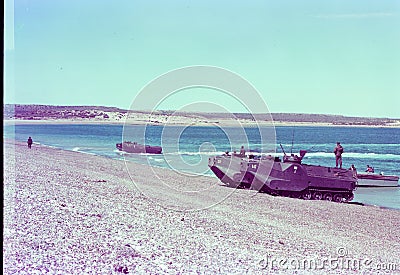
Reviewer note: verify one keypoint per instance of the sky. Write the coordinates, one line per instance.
(324, 57)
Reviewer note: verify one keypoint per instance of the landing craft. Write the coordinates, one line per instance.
(289, 178)
(377, 180)
(133, 147)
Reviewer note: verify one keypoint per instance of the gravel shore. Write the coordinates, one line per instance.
(72, 213)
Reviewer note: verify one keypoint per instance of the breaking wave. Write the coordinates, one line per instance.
(308, 155)
(211, 153)
(355, 155)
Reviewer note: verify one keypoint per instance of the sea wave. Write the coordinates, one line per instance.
(88, 153)
(308, 145)
(51, 146)
(355, 155)
(210, 153)
(308, 155)
(156, 159)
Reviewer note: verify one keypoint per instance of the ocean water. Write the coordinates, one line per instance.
(187, 149)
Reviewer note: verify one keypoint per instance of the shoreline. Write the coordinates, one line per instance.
(183, 123)
(79, 213)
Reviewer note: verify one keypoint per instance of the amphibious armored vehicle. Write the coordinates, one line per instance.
(288, 178)
(133, 147)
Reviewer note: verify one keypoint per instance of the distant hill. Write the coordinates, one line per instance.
(46, 112)
(40, 112)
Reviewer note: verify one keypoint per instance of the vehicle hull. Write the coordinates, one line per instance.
(227, 169)
(133, 147)
(291, 179)
(375, 180)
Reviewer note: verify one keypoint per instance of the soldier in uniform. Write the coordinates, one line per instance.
(30, 142)
(338, 153)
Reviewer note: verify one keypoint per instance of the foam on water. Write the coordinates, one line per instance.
(356, 155)
(189, 153)
(156, 159)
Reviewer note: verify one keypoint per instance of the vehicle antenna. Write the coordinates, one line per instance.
(282, 149)
(291, 149)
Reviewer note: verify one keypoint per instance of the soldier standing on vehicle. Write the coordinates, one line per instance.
(338, 153)
(354, 170)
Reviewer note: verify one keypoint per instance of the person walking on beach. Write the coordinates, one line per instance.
(30, 142)
(338, 153)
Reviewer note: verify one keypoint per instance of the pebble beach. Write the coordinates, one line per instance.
(72, 213)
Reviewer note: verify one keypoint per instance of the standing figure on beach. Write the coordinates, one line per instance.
(30, 142)
(338, 153)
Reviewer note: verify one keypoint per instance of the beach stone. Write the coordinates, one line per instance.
(58, 219)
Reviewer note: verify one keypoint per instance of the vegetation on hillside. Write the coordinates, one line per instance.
(41, 112)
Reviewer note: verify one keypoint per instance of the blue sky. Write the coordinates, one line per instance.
(326, 57)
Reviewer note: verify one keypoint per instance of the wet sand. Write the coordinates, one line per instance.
(72, 213)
